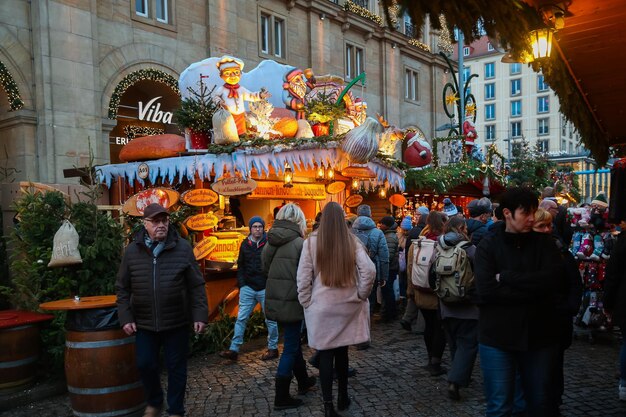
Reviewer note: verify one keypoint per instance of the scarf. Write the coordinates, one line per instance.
(233, 90)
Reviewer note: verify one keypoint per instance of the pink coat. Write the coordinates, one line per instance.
(335, 316)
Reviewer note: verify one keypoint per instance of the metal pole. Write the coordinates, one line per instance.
(461, 82)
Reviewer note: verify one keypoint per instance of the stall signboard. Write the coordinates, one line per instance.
(199, 197)
(203, 248)
(135, 205)
(354, 200)
(226, 250)
(234, 186)
(275, 190)
(202, 221)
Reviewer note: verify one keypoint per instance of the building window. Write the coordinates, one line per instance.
(541, 83)
(272, 36)
(355, 61)
(515, 68)
(543, 104)
(489, 47)
(410, 85)
(161, 11)
(409, 28)
(543, 127)
(516, 108)
(490, 70)
(466, 74)
(490, 112)
(363, 3)
(466, 51)
(490, 133)
(490, 91)
(516, 87)
(516, 129)
(141, 8)
(543, 145)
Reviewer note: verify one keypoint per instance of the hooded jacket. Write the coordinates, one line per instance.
(280, 262)
(249, 269)
(375, 244)
(160, 292)
(476, 230)
(391, 237)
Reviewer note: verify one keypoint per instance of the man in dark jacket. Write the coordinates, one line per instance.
(160, 291)
(480, 213)
(518, 275)
(251, 281)
(390, 228)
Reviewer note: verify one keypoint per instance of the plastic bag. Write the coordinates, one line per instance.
(65, 246)
(224, 127)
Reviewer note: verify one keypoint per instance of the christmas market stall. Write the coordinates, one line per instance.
(253, 143)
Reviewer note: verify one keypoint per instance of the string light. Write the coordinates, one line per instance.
(418, 44)
(363, 12)
(133, 131)
(444, 43)
(131, 79)
(10, 88)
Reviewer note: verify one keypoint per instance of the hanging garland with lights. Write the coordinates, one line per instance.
(151, 74)
(350, 6)
(420, 45)
(444, 178)
(10, 88)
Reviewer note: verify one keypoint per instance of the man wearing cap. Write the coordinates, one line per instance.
(231, 95)
(389, 227)
(251, 281)
(160, 292)
(480, 213)
(374, 240)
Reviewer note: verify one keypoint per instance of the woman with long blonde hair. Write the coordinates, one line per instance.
(335, 277)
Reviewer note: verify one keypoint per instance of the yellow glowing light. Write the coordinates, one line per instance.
(541, 42)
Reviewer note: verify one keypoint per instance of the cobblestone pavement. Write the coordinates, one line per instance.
(389, 382)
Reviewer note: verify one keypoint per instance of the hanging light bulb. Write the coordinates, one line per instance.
(320, 174)
(541, 42)
(330, 174)
(355, 184)
(288, 177)
(382, 192)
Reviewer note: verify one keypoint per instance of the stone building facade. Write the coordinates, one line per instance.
(78, 73)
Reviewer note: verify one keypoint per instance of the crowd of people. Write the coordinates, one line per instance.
(500, 284)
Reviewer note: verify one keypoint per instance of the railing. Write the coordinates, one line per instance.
(362, 3)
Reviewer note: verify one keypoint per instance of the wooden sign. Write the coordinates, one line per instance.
(226, 250)
(336, 187)
(135, 205)
(203, 248)
(202, 221)
(354, 200)
(275, 190)
(199, 197)
(234, 186)
(358, 172)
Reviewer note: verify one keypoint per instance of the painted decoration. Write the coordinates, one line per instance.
(355, 171)
(200, 197)
(135, 205)
(203, 221)
(336, 187)
(203, 248)
(354, 200)
(418, 152)
(397, 200)
(143, 170)
(234, 186)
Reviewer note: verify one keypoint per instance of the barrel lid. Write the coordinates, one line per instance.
(82, 303)
(14, 318)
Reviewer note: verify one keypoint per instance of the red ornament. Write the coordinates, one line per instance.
(418, 152)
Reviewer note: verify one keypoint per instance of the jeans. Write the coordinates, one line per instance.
(248, 299)
(536, 370)
(175, 345)
(389, 310)
(340, 357)
(434, 337)
(463, 341)
(292, 350)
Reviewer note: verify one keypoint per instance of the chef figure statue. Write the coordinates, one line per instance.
(231, 95)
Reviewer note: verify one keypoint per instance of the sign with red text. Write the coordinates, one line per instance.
(234, 186)
(275, 190)
(199, 197)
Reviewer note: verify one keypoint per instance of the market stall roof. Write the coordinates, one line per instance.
(243, 162)
(588, 63)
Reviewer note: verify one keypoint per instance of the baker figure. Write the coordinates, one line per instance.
(231, 95)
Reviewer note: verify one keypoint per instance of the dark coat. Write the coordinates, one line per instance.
(163, 292)
(374, 240)
(519, 312)
(249, 268)
(476, 230)
(615, 284)
(280, 262)
(391, 237)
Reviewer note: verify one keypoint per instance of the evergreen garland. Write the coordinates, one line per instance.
(10, 88)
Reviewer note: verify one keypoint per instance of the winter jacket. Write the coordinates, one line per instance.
(335, 317)
(615, 284)
(518, 312)
(391, 237)
(374, 240)
(476, 230)
(280, 262)
(568, 302)
(249, 268)
(160, 292)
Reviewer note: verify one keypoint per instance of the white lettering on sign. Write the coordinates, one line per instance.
(120, 140)
(152, 112)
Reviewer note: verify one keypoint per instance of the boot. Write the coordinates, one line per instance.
(329, 409)
(305, 382)
(598, 247)
(283, 400)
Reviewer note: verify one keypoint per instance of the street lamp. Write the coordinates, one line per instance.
(541, 42)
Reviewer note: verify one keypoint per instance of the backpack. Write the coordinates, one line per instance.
(454, 275)
(423, 256)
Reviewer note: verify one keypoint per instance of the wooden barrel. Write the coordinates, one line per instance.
(101, 373)
(19, 351)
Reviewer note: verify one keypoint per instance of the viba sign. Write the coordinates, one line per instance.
(151, 112)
